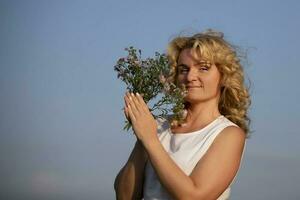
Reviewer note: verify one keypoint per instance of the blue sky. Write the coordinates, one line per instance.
(61, 121)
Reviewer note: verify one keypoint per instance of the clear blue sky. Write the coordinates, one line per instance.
(60, 101)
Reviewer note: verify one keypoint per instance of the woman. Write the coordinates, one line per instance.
(200, 158)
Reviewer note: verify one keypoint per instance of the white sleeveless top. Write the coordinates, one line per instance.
(186, 149)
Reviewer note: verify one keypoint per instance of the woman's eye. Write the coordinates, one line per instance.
(203, 68)
(183, 70)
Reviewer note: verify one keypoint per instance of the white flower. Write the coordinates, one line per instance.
(167, 87)
(162, 78)
(183, 113)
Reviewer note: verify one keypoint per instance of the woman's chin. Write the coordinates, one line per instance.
(198, 98)
(192, 98)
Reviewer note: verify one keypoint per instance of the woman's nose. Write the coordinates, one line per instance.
(192, 75)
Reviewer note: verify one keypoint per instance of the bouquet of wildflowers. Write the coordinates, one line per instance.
(152, 77)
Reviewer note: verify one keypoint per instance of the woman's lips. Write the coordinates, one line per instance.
(191, 87)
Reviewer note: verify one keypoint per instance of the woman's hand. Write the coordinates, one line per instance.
(143, 122)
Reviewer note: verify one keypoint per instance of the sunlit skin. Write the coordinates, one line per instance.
(216, 169)
(202, 80)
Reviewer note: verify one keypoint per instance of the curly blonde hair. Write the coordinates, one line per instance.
(210, 45)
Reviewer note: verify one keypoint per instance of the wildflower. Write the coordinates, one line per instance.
(151, 77)
(162, 78)
(183, 113)
(167, 87)
(121, 60)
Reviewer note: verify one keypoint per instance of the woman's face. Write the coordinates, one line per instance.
(201, 78)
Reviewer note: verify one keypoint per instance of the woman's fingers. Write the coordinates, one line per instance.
(131, 115)
(142, 102)
(126, 99)
(135, 104)
(126, 113)
(131, 104)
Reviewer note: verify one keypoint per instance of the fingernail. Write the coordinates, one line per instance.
(132, 94)
(137, 94)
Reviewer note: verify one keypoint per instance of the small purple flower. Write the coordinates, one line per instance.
(121, 60)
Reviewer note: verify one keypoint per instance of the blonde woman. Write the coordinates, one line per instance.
(200, 158)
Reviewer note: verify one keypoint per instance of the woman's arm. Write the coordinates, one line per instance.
(214, 171)
(211, 176)
(129, 181)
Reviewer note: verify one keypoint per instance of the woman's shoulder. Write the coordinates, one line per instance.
(231, 132)
(227, 122)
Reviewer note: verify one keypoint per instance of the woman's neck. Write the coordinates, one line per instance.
(202, 113)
